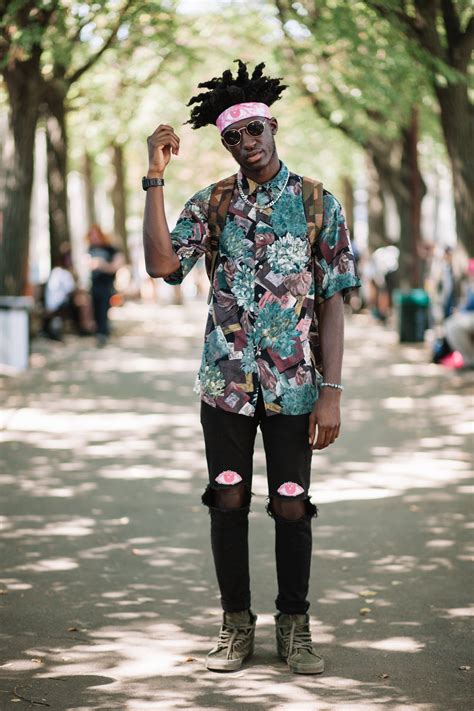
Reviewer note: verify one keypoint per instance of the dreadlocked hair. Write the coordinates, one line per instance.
(225, 91)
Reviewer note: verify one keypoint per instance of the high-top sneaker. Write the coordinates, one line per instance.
(294, 644)
(235, 642)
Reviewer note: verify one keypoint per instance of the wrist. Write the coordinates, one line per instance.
(155, 174)
(329, 388)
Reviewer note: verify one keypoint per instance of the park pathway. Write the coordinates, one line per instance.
(108, 598)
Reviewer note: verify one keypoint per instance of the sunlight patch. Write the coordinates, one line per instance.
(391, 644)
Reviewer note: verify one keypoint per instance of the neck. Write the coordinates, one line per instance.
(264, 174)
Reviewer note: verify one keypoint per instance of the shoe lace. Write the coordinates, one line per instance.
(232, 637)
(297, 637)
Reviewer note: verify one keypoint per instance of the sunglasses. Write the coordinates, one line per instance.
(233, 136)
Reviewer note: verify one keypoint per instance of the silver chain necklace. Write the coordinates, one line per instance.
(268, 204)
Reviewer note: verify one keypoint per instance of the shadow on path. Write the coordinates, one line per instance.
(108, 596)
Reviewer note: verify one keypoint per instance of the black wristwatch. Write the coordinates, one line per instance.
(152, 183)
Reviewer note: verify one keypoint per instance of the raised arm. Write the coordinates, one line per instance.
(160, 259)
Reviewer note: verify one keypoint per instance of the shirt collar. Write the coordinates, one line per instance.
(272, 187)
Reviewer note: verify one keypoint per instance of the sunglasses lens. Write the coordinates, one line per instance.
(255, 128)
(232, 138)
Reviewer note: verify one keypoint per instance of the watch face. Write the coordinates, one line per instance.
(151, 182)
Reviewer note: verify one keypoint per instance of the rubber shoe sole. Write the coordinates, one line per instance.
(216, 664)
(298, 668)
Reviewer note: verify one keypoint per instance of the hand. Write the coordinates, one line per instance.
(326, 415)
(161, 144)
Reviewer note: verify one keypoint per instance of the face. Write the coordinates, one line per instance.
(94, 237)
(254, 153)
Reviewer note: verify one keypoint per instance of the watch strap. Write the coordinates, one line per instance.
(152, 183)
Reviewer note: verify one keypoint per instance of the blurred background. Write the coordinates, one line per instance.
(377, 108)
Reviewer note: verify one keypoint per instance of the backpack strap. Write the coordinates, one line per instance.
(313, 208)
(218, 207)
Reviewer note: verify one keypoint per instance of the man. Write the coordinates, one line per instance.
(257, 365)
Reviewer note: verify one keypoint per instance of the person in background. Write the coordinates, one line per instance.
(104, 262)
(383, 273)
(58, 297)
(447, 283)
(459, 327)
(63, 300)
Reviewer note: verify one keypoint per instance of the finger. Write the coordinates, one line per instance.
(165, 131)
(327, 437)
(311, 430)
(166, 139)
(162, 127)
(173, 141)
(168, 142)
(168, 127)
(163, 136)
(334, 432)
(321, 438)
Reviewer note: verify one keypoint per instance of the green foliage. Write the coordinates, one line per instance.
(70, 35)
(434, 34)
(124, 100)
(356, 66)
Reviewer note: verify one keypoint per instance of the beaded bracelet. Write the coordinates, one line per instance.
(331, 385)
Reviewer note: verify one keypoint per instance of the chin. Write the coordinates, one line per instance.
(257, 165)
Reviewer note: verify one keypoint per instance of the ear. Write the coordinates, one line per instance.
(273, 125)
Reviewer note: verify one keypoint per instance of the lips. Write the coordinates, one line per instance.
(254, 157)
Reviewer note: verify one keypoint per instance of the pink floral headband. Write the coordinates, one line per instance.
(241, 111)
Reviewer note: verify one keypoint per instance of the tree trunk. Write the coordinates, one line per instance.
(24, 90)
(457, 120)
(376, 207)
(416, 187)
(88, 173)
(119, 198)
(394, 180)
(348, 202)
(56, 145)
(399, 175)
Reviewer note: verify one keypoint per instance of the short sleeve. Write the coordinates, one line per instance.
(335, 268)
(190, 237)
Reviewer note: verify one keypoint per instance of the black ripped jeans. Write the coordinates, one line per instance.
(229, 440)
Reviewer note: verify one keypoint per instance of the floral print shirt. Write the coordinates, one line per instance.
(265, 285)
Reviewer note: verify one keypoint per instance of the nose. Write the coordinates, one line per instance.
(248, 141)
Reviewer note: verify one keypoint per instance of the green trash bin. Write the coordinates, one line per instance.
(412, 315)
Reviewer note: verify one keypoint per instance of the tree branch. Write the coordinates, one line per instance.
(348, 128)
(389, 13)
(125, 84)
(465, 46)
(421, 28)
(429, 37)
(95, 57)
(21, 17)
(451, 22)
(76, 36)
